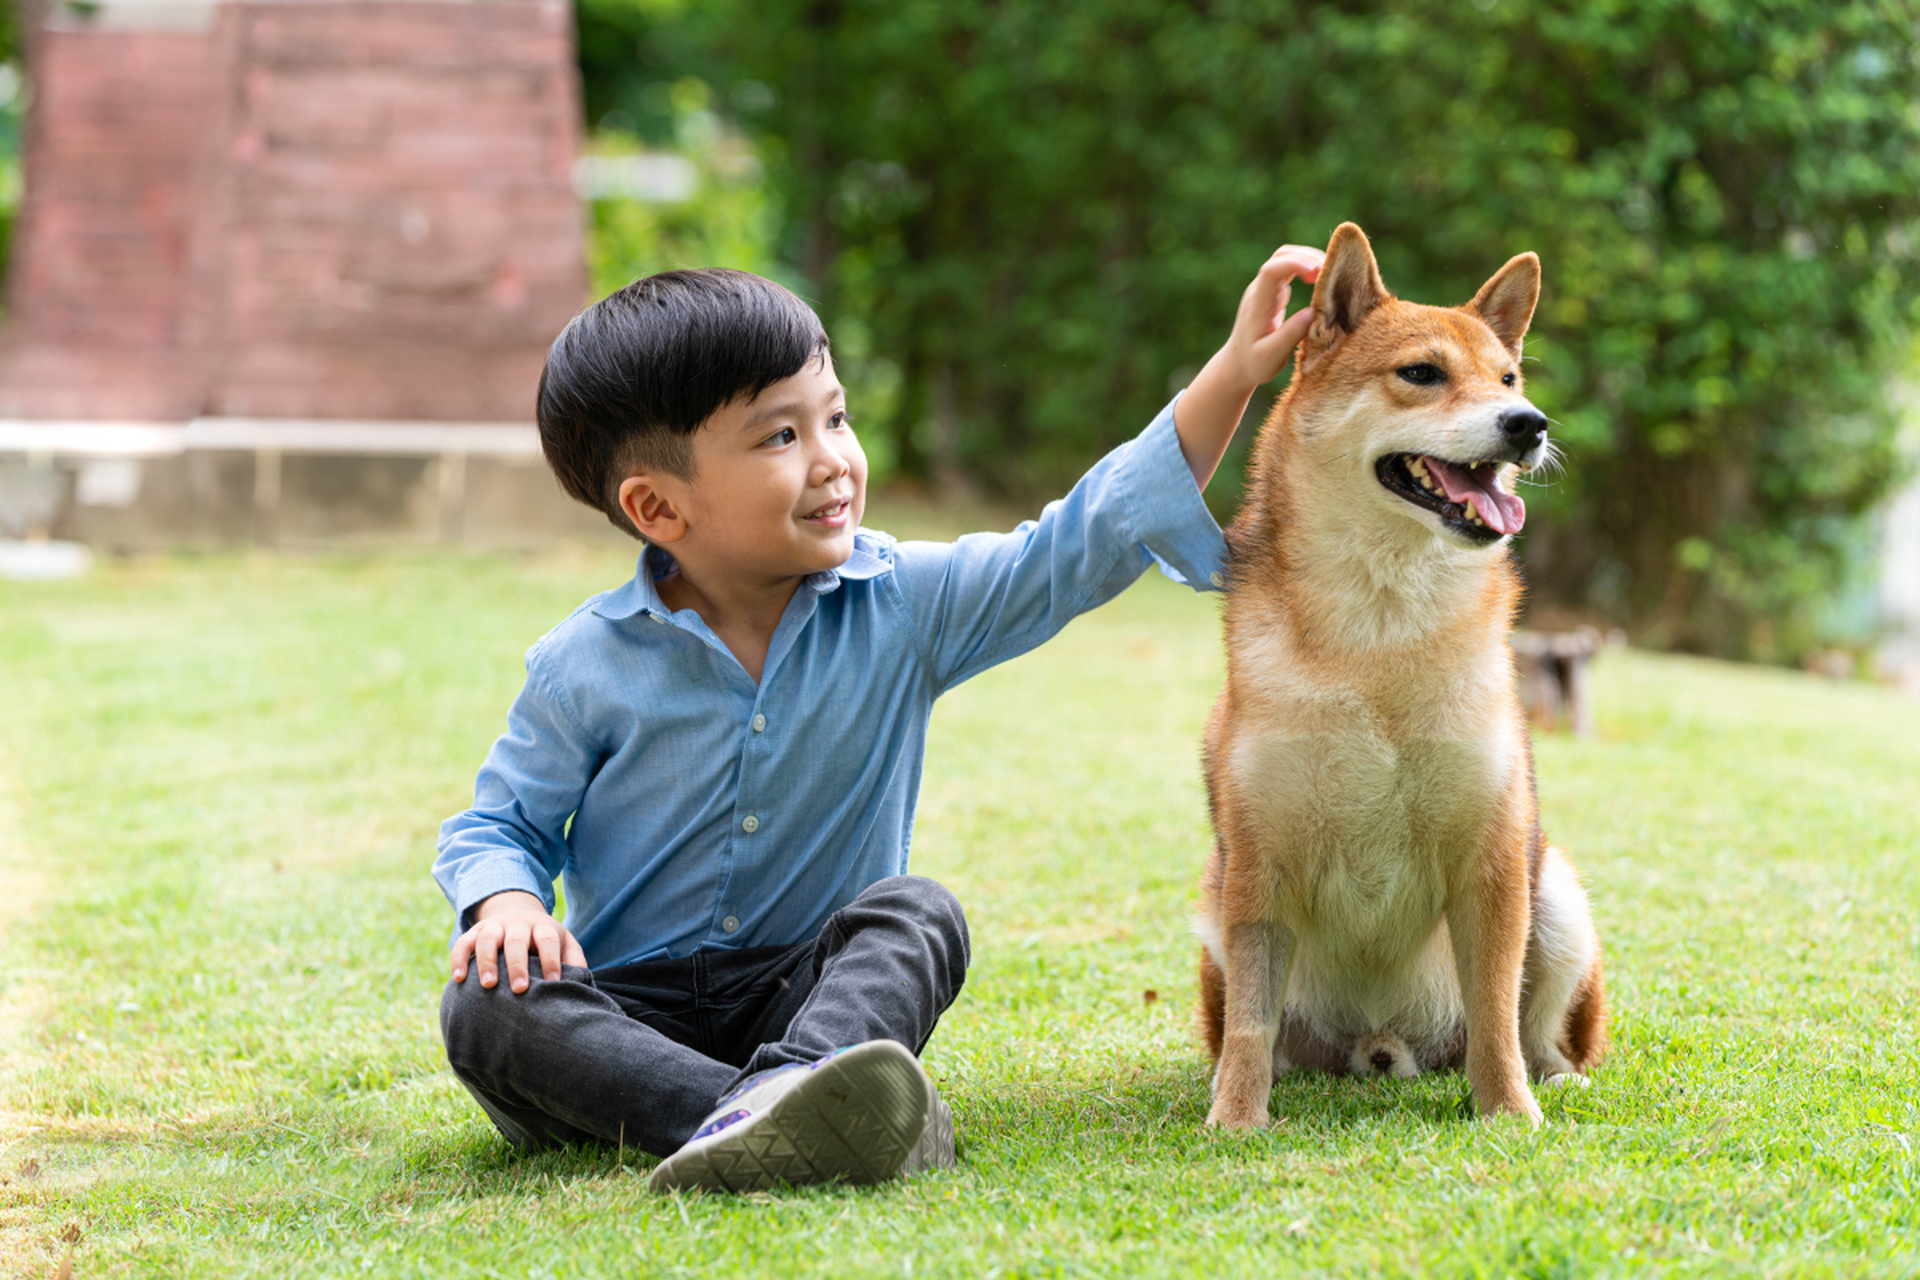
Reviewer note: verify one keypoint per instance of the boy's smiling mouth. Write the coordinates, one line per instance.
(834, 512)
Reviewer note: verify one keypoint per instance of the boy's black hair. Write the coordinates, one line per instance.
(632, 377)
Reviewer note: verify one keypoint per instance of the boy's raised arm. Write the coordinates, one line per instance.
(1264, 335)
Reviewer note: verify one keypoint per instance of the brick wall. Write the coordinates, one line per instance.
(307, 209)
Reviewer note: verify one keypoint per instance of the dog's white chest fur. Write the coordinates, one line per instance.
(1374, 803)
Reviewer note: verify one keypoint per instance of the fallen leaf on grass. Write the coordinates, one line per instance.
(65, 1270)
(30, 1167)
(70, 1233)
(1149, 995)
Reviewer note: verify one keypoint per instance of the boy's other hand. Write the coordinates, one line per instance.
(513, 922)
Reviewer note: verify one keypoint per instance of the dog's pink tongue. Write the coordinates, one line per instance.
(1504, 512)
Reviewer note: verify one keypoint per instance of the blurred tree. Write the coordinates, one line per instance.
(1043, 213)
(12, 90)
(723, 215)
(633, 52)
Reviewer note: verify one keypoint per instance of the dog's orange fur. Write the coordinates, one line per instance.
(1367, 762)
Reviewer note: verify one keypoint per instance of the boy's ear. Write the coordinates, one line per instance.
(1506, 302)
(651, 512)
(1348, 290)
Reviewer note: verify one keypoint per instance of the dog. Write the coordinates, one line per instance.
(1379, 899)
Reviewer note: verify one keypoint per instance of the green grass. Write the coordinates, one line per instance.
(220, 957)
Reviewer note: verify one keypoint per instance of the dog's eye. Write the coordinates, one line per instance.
(1506, 379)
(1423, 375)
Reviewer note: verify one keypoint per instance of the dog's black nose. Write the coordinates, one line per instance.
(1524, 427)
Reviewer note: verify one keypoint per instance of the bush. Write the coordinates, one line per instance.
(1043, 213)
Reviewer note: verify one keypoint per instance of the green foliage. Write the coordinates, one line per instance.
(730, 219)
(12, 92)
(1043, 213)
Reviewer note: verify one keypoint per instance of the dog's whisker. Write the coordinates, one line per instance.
(1551, 468)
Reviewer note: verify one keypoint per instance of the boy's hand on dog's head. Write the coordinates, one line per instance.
(514, 923)
(1264, 335)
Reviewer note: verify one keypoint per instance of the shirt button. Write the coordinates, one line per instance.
(731, 924)
(1217, 578)
(759, 723)
(749, 824)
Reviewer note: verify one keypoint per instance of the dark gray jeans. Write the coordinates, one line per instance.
(639, 1054)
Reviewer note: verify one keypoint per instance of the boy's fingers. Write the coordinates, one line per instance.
(462, 952)
(571, 951)
(1292, 329)
(517, 938)
(547, 941)
(1305, 258)
(1268, 293)
(486, 953)
(1273, 349)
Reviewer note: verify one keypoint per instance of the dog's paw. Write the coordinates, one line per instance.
(1227, 1114)
(1566, 1080)
(1525, 1107)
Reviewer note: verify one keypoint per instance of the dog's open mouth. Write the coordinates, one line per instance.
(1466, 496)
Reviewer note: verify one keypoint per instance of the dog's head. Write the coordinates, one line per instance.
(1416, 409)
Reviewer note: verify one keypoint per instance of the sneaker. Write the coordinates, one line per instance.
(855, 1116)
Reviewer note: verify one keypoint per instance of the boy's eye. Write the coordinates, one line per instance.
(1423, 374)
(841, 419)
(785, 435)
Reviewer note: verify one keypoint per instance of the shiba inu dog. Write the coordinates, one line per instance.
(1379, 899)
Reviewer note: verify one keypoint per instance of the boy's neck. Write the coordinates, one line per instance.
(743, 613)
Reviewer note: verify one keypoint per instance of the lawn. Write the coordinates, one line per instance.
(221, 955)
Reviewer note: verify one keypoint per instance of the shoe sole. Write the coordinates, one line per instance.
(855, 1119)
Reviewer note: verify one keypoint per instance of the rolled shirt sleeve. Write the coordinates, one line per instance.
(990, 596)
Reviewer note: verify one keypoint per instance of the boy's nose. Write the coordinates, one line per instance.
(830, 466)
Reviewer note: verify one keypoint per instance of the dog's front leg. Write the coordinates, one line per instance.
(1488, 920)
(1255, 969)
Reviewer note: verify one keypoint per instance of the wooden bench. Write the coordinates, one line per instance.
(1551, 668)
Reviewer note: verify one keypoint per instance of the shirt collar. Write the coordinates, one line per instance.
(641, 595)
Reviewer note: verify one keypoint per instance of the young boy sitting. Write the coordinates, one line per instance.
(722, 756)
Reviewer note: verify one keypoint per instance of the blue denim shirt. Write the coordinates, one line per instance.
(689, 808)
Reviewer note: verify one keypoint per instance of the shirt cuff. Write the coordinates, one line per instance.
(480, 883)
(1170, 519)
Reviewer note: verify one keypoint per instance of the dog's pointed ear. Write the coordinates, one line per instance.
(1348, 290)
(1506, 302)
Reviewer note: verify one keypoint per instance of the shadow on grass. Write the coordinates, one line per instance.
(474, 1158)
(1160, 1109)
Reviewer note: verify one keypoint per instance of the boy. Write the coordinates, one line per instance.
(722, 756)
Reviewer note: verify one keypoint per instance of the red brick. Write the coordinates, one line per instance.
(232, 221)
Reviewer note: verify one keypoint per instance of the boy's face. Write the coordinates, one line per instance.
(779, 482)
